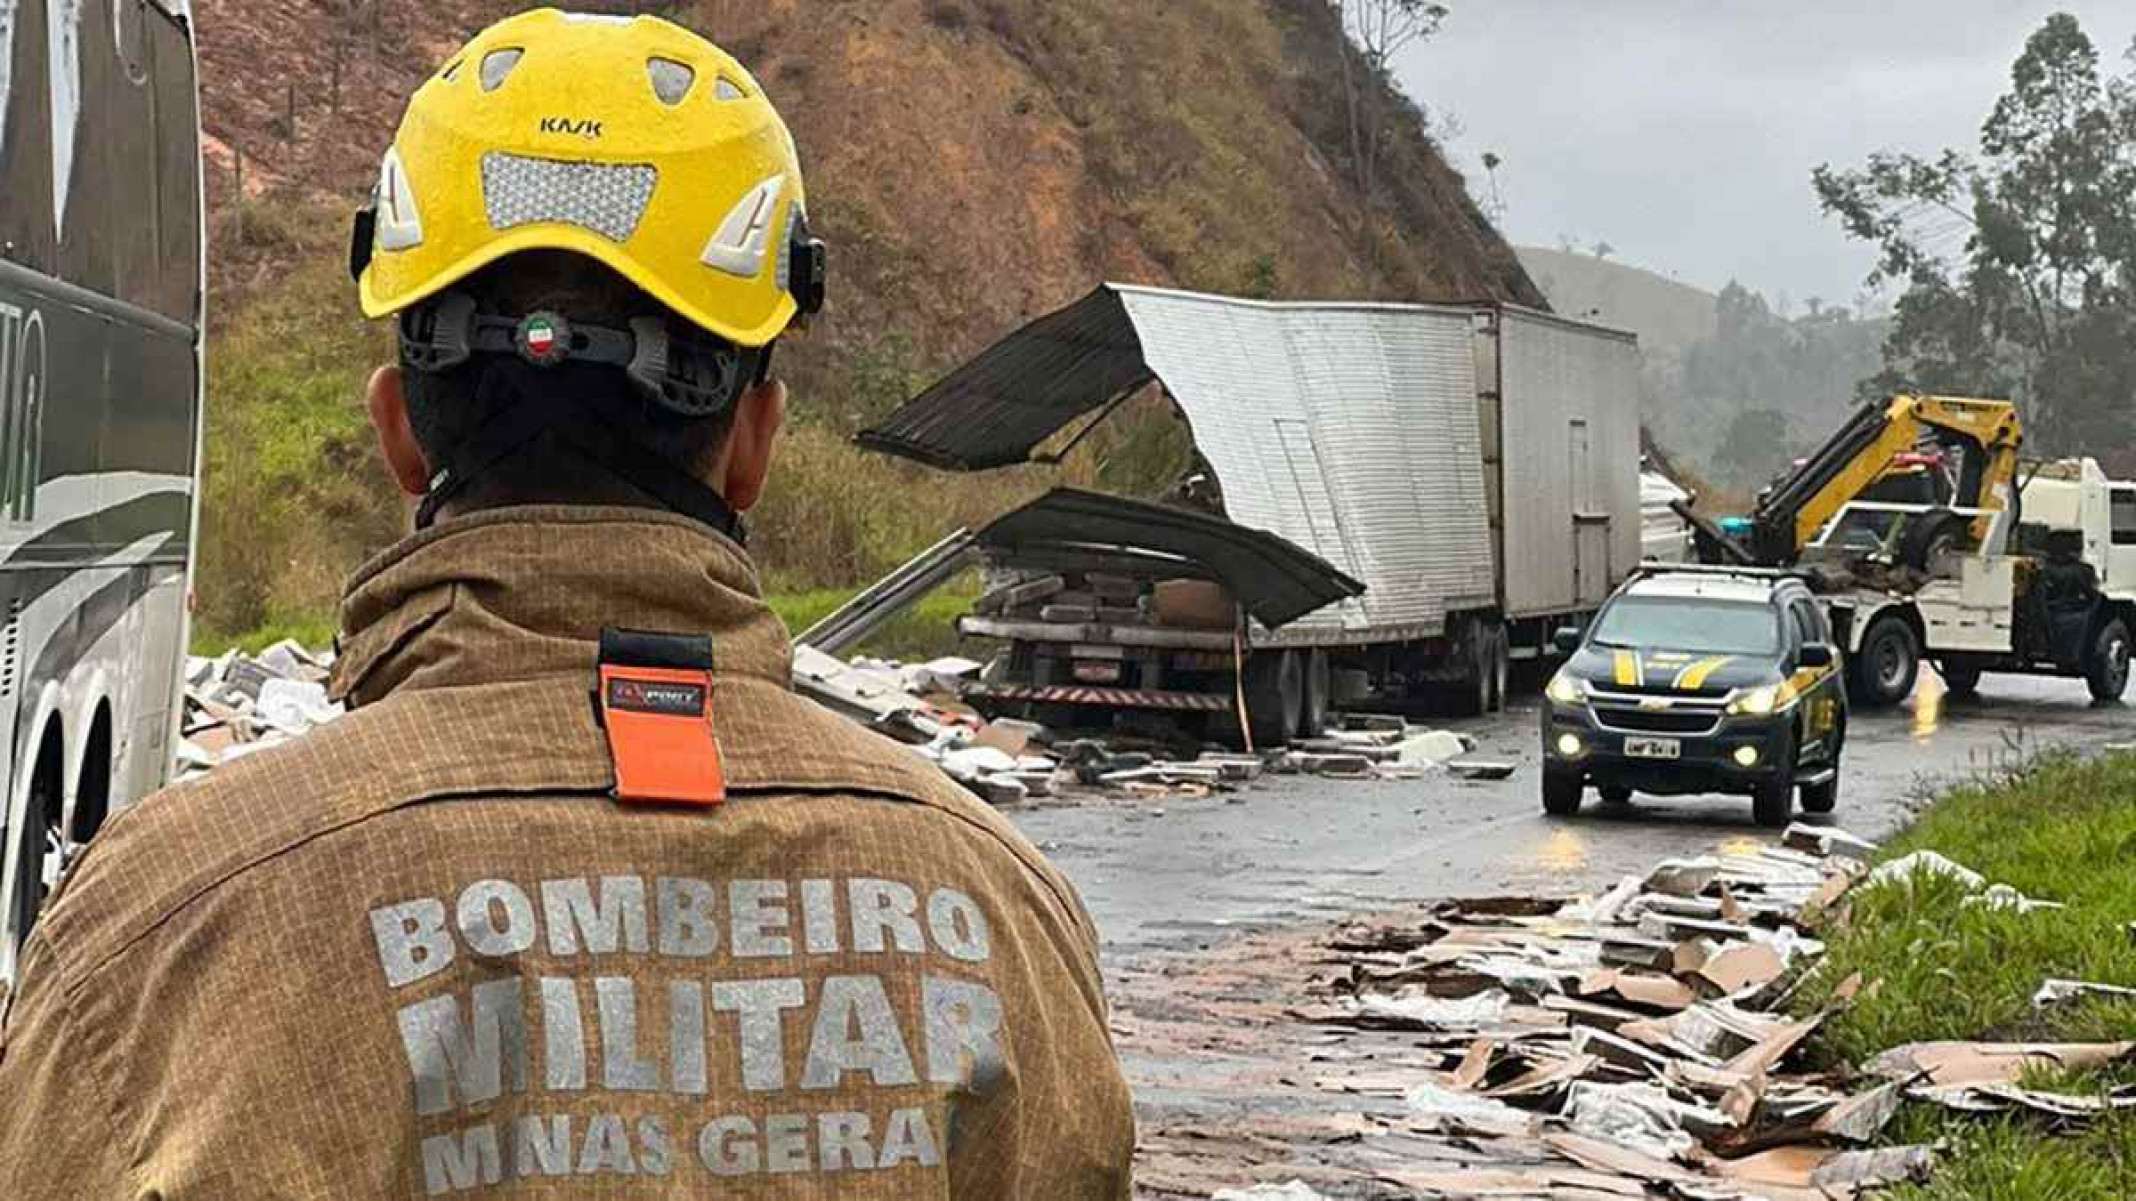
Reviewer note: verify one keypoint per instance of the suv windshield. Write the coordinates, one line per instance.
(1687, 623)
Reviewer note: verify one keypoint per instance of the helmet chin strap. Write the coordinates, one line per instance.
(530, 402)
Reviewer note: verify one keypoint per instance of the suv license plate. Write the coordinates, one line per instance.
(1654, 748)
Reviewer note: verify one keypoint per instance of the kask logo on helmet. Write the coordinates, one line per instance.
(574, 127)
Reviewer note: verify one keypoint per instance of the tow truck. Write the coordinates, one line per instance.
(1923, 543)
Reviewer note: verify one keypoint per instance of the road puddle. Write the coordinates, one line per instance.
(1563, 851)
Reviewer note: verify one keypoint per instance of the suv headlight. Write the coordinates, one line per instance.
(1762, 701)
(1566, 689)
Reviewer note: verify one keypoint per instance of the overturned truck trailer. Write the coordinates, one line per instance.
(1474, 466)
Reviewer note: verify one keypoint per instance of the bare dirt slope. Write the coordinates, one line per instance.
(973, 163)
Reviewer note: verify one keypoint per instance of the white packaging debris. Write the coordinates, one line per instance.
(2058, 992)
(295, 706)
(2002, 896)
(1639, 1116)
(1929, 864)
(1425, 1009)
(1430, 748)
(1296, 1190)
(1434, 1108)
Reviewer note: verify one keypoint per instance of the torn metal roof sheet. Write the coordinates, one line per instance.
(996, 409)
(1277, 581)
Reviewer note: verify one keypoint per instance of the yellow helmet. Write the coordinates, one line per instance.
(629, 140)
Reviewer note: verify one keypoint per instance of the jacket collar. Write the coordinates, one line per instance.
(520, 594)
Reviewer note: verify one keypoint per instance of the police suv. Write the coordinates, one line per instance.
(1699, 679)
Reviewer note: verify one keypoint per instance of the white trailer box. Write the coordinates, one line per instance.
(1474, 466)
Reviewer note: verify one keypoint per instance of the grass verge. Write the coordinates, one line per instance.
(2064, 829)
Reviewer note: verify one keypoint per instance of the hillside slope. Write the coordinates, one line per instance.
(1671, 316)
(971, 162)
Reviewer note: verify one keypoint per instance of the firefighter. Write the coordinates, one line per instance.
(579, 899)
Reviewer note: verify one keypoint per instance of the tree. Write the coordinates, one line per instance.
(2018, 266)
(1380, 29)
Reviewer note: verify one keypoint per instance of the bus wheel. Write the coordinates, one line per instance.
(39, 851)
(1883, 673)
(2108, 670)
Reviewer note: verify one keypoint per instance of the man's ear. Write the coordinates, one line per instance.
(745, 462)
(396, 438)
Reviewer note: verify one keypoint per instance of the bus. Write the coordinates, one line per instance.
(102, 288)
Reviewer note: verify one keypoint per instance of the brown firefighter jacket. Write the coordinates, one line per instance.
(421, 952)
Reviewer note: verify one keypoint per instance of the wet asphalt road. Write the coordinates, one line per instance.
(1184, 874)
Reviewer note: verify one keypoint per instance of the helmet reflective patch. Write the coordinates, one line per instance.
(729, 90)
(400, 226)
(738, 246)
(607, 199)
(496, 65)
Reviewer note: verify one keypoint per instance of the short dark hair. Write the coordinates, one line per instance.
(446, 407)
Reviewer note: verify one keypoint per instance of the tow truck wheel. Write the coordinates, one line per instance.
(2107, 670)
(1882, 674)
(1963, 679)
(1561, 793)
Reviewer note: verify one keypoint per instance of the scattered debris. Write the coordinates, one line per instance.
(1932, 865)
(1635, 1042)
(1296, 1190)
(1007, 760)
(2058, 992)
(236, 704)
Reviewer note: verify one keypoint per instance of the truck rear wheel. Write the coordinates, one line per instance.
(1275, 697)
(1501, 667)
(1883, 673)
(1319, 694)
(2106, 669)
(1471, 690)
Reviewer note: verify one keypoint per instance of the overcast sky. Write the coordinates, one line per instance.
(1683, 132)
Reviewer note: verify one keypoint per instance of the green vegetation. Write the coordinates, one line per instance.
(926, 631)
(2018, 264)
(2063, 829)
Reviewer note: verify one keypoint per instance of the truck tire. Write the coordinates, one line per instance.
(1562, 792)
(1471, 690)
(1933, 533)
(1319, 694)
(1501, 666)
(1963, 679)
(2106, 668)
(1275, 697)
(1883, 672)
